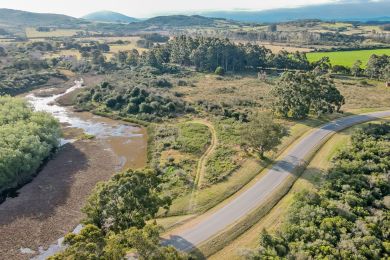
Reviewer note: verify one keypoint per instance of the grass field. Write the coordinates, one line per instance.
(347, 58)
(33, 33)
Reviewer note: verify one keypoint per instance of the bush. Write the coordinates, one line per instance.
(219, 71)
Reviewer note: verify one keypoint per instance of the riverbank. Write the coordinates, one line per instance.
(50, 206)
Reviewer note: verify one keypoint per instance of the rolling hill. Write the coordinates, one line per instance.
(109, 17)
(13, 18)
(342, 11)
(181, 21)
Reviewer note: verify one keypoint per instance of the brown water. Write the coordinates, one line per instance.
(126, 141)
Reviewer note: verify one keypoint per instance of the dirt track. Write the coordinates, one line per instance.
(49, 207)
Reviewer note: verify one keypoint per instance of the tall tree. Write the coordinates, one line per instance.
(262, 133)
(127, 200)
(356, 68)
(298, 94)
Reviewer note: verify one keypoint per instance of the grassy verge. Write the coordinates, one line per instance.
(311, 178)
(211, 196)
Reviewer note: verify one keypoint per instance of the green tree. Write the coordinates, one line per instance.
(376, 66)
(297, 94)
(92, 243)
(27, 138)
(219, 71)
(346, 218)
(356, 69)
(127, 200)
(143, 244)
(262, 133)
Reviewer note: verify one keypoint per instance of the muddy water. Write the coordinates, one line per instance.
(126, 141)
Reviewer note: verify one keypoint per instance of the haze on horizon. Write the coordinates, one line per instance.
(148, 8)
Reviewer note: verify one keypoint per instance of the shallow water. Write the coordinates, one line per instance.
(127, 141)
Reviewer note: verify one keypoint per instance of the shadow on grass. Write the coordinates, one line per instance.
(183, 245)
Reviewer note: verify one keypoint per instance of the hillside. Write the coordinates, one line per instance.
(109, 17)
(344, 11)
(161, 23)
(181, 21)
(13, 18)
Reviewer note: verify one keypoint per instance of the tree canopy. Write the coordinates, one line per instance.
(348, 218)
(115, 225)
(262, 133)
(297, 94)
(27, 138)
(127, 200)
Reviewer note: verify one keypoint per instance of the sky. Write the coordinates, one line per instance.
(148, 8)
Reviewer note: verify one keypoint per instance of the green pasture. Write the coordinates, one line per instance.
(347, 58)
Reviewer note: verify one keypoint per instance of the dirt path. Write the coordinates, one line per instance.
(49, 207)
(201, 168)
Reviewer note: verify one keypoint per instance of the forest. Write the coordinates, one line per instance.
(348, 217)
(27, 139)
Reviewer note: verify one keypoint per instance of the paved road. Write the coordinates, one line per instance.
(256, 194)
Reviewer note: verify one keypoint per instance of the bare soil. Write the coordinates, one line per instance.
(50, 206)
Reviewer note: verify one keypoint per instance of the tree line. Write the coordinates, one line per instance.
(207, 54)
(348, 217)
(377, 67)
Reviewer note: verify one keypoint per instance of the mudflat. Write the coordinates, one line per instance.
(50, 206)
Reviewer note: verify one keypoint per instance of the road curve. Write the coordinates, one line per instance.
(254, 196)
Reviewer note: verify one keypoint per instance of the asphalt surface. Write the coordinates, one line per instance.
(253, 197)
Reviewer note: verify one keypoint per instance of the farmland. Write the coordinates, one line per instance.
(347, 58)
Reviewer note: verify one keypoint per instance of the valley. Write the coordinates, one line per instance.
(192, 137)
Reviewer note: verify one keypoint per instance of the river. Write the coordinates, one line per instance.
(126, 141)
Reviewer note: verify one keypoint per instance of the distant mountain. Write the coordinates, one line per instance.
(21, 18)
(343, 11)
(181, 21)
(109, 17)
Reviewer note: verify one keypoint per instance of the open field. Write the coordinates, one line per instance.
(278, 47)
(130, 43)
(33, 33)
(248, 92)
(347, 58)
(238, 91)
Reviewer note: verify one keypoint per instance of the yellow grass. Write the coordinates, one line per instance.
(74, 53)
(170, 222)
(235, 90)
(115, 48)
(33, 33)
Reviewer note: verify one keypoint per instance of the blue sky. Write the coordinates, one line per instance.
(147, 8)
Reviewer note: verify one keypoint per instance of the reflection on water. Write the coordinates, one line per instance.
(128, 142)
(94, 125)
